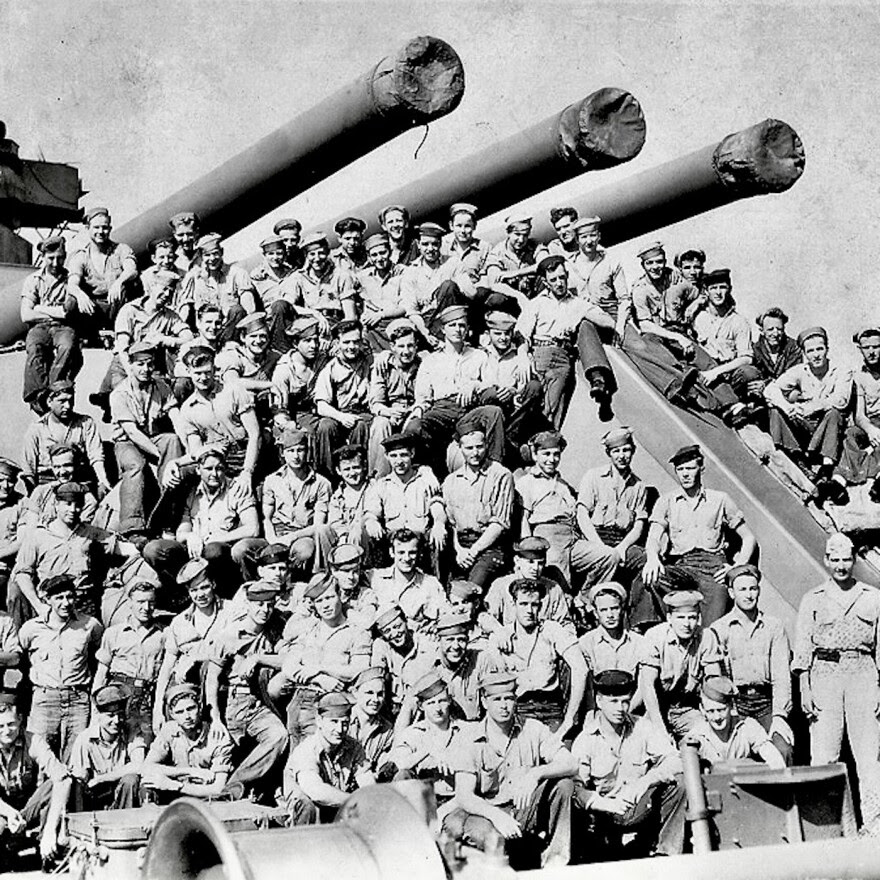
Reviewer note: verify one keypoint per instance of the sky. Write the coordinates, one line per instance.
(143, 97)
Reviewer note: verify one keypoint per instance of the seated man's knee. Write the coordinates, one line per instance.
(302, 551)
(214, 551)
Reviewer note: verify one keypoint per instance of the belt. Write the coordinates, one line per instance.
(237, 689)
(754, 690)
(554, 342)
(142, 684)
(65, 689)
(835, 655)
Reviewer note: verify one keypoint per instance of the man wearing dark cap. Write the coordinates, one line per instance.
(392, 394)
(679, 655)
(65, 546)
(62, 424)
(148, 433)
(479, 498)
(322, 286)
(757, 657)
(213, 280)
(558, 325)
(860, 459)
(34, 786)
(61, 646)
(423, 749)
(327, 766)
(691, 262)
(358, 599)
(236, 655)
(407, 498)
(99, 275)
(271, 280)
(399, 651)
(612, 512)
(513, 784)
(430, 284)
(189, 756)
(629, 778)
(660, 297)
(534, 652)
(290, 232)
(295, 505)
(529, 561)
(341, 395)
(395, 222)
(512, 261)
(209, 330)
(185, 229)
(320, 654)
(451, 383)
(691, 521)
(724, 352)
(351, 253)
(808, 407)
(725, 738)
(295, 374)
(381, 283)
(52, 345)
(106, 758)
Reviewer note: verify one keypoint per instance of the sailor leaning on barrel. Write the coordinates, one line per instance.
(836, 655)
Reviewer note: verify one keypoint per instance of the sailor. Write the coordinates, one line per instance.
(370, 725)
(351, 253)
(399, 651)
(290, 232)
(513, 784)
(271, 279)
(774, 351)
(468, 254)
(395, 222)
(381, 284)
(724, 737)
(321, 285)
(52, 343)
(512, 261)
(692, 519)
(189, 757)
(836, 656)
(236, 656)
(757, 656)
(346, 513)
(479, 500)
(250, 362)
(185, 231)
(358, 599)
(534, 653)
(629, 777)
(106, 758)
(295, 375)
(327, 766)
(679, 655)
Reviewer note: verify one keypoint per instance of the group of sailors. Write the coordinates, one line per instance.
(333, 546)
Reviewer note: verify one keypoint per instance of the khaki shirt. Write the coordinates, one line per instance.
(681, 667)
(397, 504)
(28, 760)
(611, 500)
(745, 742)
(530, 745)
(295, 381)
(757, 652)
(607, 759)
(209, 514)
(446, 373)
(60, 655)
(296, 501)
(147, 408)
(42, 507)
(868, 393)
(391, 384)
(339, 766)
(42, 288)
(696, 523)
(601, 281)
(501, 605)
(724, 337)
(545, 499)
(312, 642)
(210, 750)
(54, 549)
(419, 283)
(133, 650)
(374, 734)
(381, 294)
(81, 432)
(90, 756)
(216, 418)
(326, 292)
(421, 598)
(440, 745)
(602, 652)
(554, 319)
(476, 498)
(535, 656)
(223, 289)
(344, 386)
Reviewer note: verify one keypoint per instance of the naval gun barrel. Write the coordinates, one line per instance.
(765, 158)
(421, 82)
(379, 834)
(602, 130)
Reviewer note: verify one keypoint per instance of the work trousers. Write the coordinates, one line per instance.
(674, 379)
(820, 434)
(123, 794)
(251, 723)
(847, 697)
(555, 368)
(859, 461)
(756, 701)
(330, 435)
(654, 824)
(230, 319)
(139, 708)
(436, 427)
(737, 379)
(524, 416)
(139, 488)
(34, 811)
(52, 354)
(545, 822)
(381, 428)
(59, 715)
(229, 566)
(700, 567)
(281, 315)
(591, 352)
(490, 564)
(302, 713)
